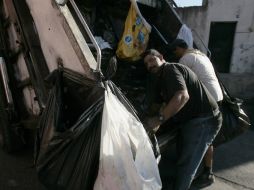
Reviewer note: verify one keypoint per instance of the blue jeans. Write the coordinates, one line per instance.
(195, 137)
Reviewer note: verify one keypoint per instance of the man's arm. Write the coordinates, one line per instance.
(175, 104)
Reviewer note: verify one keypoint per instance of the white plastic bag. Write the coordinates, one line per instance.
(186, 34)
(127, 161)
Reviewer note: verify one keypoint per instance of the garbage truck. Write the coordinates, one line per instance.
(37, 37)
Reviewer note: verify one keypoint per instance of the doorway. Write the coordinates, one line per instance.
(221, 44)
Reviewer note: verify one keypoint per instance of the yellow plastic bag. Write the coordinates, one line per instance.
(135, 36)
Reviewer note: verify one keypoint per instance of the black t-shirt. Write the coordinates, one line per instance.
(174, 77)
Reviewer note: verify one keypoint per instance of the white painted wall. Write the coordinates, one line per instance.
(242, 12)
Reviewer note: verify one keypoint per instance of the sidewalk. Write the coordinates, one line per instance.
(234, 164)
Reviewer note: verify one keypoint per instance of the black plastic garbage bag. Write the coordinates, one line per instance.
(235, 120)
(68, 139)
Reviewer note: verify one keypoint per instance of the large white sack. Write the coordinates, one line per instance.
(127, 161)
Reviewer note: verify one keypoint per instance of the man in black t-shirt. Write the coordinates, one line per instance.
(189, 104)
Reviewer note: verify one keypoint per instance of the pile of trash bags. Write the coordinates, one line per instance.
(89, 137)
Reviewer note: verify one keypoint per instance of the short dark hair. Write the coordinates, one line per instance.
(177, 43)
(153, 52)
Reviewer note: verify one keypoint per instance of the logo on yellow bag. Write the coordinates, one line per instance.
(128, 39)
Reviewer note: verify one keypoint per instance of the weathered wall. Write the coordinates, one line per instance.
(242, 12)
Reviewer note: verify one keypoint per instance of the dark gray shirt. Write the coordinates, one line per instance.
(175, 77)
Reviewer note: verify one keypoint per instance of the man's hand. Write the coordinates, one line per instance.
(152, 124)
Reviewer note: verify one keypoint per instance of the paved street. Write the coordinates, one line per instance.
(234, 165)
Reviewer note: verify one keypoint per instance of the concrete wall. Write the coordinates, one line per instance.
(242, 12)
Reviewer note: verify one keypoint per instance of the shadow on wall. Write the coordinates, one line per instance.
(239, 85)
